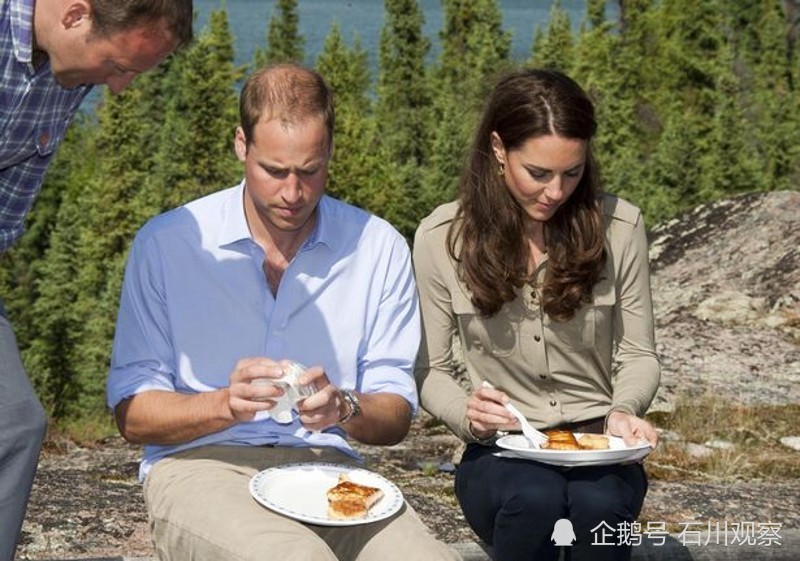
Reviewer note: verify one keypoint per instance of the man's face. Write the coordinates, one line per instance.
(114, 60)
(286, 167)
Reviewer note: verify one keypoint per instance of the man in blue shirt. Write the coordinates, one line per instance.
(53, 52)
(218, 295)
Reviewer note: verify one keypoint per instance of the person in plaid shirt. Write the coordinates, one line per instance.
(53, 53)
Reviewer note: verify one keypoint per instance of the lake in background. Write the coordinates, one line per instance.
(249, 20)
(364, 18)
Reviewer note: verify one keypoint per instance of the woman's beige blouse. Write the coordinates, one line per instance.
(554, 372)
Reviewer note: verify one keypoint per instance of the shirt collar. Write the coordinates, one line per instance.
(234, 222)
(323, 233)
(22, 30)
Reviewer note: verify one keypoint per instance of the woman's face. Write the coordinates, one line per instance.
(542, 173)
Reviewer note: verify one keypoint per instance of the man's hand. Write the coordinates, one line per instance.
(322, 409)
(245, 398)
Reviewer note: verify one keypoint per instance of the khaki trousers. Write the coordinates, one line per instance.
(200, 509)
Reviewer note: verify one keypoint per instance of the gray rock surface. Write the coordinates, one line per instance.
(726, 294)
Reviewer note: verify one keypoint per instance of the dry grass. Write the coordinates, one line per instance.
(85, 432)
(753, 432)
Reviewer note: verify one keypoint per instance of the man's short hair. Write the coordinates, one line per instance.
(114, 16)
(288, 92)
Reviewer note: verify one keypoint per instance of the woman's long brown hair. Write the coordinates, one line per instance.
(487, 238)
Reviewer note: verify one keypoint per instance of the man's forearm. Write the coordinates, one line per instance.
(384, 420)
(162, 417)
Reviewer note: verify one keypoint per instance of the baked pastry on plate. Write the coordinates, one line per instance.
(349, 500)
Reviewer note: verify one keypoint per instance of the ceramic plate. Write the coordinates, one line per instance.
(517, 446)
(299, 491)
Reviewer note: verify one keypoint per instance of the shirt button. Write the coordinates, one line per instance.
(553, 403)
(537, 338)
(43, 138)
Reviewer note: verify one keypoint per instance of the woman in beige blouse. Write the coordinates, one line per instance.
(544, 280)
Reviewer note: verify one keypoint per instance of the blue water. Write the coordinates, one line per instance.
(249, 20)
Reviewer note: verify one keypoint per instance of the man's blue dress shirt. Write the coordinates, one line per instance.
(195, 301)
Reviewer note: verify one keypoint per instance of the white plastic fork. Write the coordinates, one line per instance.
(536, 437)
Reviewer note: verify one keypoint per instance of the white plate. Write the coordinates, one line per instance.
(517, 446)
(299, 491)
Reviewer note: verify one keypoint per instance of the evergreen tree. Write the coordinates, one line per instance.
(50, 355)
(347, 72)
(729, 165)
(596, 13)
(27, 272)
(793, 36)
(777, 94)
(689, 63)
(607, 63)
(743, 17)
(538, 43)
(17, 274)
(284, 41)
(475, 50)
(195, 155)
(555, 49)
(448, 155)
(673, 170)
(402, 113)
(690, 37)
(106, 227)
(403, 101)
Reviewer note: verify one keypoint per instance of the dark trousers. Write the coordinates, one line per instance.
(514, 505)
(22, 429)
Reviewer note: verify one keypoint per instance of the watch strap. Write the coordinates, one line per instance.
(353, 406)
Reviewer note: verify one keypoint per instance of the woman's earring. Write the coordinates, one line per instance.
(502, 168)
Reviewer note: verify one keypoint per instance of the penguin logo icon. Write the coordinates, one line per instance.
(563, 534)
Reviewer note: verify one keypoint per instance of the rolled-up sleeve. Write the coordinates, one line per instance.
(389, 354)
(142, 356)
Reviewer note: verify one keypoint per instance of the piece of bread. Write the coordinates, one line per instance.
(561, 440)
(593, 442)
(349, 500)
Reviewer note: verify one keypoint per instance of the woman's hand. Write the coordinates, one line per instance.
(631, 428)
(487, 414)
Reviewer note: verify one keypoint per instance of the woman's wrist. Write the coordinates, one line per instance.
(480, 437)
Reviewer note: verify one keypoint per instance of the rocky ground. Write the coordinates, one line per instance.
(86, 502)
(726, 285)
(726, 294)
